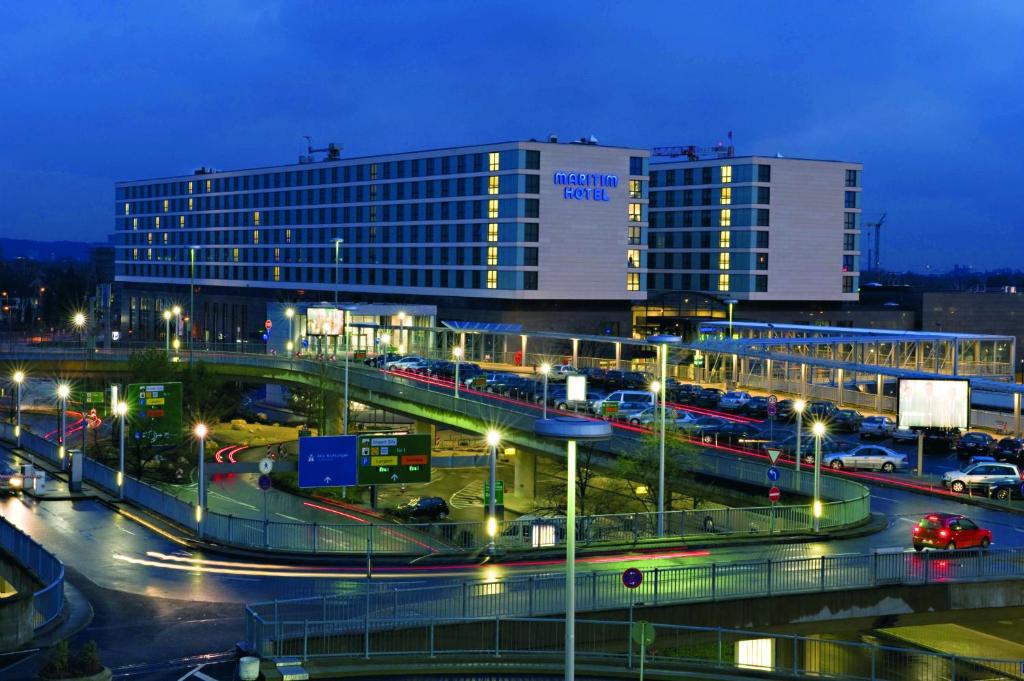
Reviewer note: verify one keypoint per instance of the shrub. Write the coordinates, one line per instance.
(62, 665)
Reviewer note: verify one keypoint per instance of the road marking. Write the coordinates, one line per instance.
(204, 677)
(124, 530)
(235, 501)
(289, 517)
(470, 495)
(194, 672)
(879, 496)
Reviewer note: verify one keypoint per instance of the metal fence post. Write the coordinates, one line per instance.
(593, 589)
(432, 654)
(822, 586)
(796, 655)
(768, 572)
(952, 668)
(655, 585)
(497, 636)
(529, 610)
(874, 651)
(464, 585)
(305, 640)
(718, 631)
(714, 580)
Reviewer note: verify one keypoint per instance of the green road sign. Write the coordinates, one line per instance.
(643, 633)
(500, 498)
(155, 411)
(393, 459)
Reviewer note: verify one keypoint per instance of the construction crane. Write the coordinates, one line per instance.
(874, 260)
(693, 152)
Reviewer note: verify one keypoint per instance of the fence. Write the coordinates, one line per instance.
(48, 601)
(608, 644)
(273, 627)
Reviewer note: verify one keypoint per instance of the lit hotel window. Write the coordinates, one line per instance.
(633, 234)
(135, 224)
(632, 281)
(725, 217)
(181, 221)
(209, 186)
(726, 174)
(726, 196)
(723, 261)
(256, 218)
(135, 254)
(493, 160)
(492, 279)
(234, 255)
(126, 209)
(256, 236)
(149, 254)
(492, 231)
(632, 258)
(277, 274)
(373, 172)
(149, 237)
(190, 204)
(190, 190)
(723, 282)
(165, 237)
(287, 236)
(492, 255)
(634, 213)
(492, 184)
(492, 208)
(158, 222)
(724, 239)
(167, 205)
(277, 255)
(634, 189)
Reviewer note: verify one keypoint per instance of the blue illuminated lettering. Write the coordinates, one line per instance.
(581, 186)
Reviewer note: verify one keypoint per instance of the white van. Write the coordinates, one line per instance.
(620, 397)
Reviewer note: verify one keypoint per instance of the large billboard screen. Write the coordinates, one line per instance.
(934, 403)
(324, 321)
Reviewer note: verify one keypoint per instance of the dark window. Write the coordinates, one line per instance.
(532, 184)
(849, 242)
(688, 176)
(764, 173)
(530, 281)
(532, 159)
(850, 200)
(531, 232)
(762, 240)
(705, 218)
(705, 175)
(762, 217)
(530, 257)
(636, 165)
(851, 178)
(849, 221)
(761, 283)
(532, 208)
(848, 284)
(764, 195)
(762, 261)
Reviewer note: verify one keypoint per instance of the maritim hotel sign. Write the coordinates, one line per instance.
(585, 186)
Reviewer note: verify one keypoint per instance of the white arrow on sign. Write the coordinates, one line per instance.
(394, 477)
(327, 479)
(774, 454)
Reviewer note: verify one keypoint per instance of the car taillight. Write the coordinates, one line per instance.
(917, 529)
(943, 533)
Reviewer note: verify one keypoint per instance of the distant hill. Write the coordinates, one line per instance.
(44, 251)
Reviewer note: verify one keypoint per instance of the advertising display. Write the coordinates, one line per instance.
(934, 403)
(324, 321)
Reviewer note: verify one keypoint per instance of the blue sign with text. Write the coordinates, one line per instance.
(585, 186)
(327, 461)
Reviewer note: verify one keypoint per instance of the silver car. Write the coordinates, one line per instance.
(870, 457)
(651, 416)
(877, 426)
(981, 476)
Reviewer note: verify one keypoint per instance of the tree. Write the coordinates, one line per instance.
(641, 464)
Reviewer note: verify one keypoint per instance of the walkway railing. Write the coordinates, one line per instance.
(270, 625)
(475, 642)
(48, 601)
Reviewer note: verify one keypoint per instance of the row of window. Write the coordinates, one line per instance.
(705, 261)
(351, 276)
(371, 193)
(493, 232)
(492, 255)
(712, 239)
(725, 174)
(710, 282)
(710, 197)
(724, 217)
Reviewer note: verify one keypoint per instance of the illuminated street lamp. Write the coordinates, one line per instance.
(290, 314)
(200, 432)
(63, 391)
(121, 409)
(167, 331)
(191, 296)
(799, 406)
(662, 341)
(78, 320)
(819, 431)
(457, 354)
(19, 378)
(493, 438)
(545, 369)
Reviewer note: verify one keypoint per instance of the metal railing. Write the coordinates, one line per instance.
(608, 644)
(270, 625)
(48, 602)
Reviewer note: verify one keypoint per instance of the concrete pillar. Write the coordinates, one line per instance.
(803, 380)
(333, 408)
(956, 357)
(1016, 415)
(425, 428)
(840, 374)
(522, 349)
(576, 352)
(618, 355)
(526, 474)
(768, 375)
(879, 387)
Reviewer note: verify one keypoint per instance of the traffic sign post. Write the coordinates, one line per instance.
(773, 473)
(327, 461)
(632, 578)
(773, 405)
(499, 499)
(774, 494)
(393, 460)
(642, 634)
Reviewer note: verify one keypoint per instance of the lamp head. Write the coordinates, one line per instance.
(818, 429)
(19, 376)
(289, 313)
(63, 390)
(78, 319)
(545, 368)
(799, 406)
(167, 315)
(176, 309)
(121, 409)
(457, 351)
(493, 438)
(200, 431)
(655, 386)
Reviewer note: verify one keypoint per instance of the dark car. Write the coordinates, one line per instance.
(635, 380)
(441, 369)
(524, 389)
(596, 377)
(683, 392)
(423, 508)
(845, 420)
(741, 434)
(379, 361)
(820, 409)
(614, 380)
(941, 440)
(705, 426)
(784, 410)
(708, 397)
(1009, 449)
(975, 443)
(756, 407)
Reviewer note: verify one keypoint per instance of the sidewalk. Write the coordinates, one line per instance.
(956, 639)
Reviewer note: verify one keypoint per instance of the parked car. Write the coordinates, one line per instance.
(819, 409)
(756, 407)
(560, 371)
(496, 377)
(562, 402)
(975, 443)
(941, 440)
(524, 388)
(903, 435)
(628, 410)
(845, 420)
(683, 392)
(423, 508)
(733, 400)
(619, 397)
(866, 457)
(379, 361)
(11, 480)
(978, 458)
(596, 377)
(747, 434)
(704, 426)
(1009, 449)
(981, 476)
(949, 531)
(877, 427)
(784, 410)
(674, 418)
(708, 397)
(401, 363)
(635, 380)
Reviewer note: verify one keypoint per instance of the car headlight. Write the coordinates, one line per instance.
(16, 481)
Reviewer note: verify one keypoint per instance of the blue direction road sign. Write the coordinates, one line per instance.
(632, 578)
(773, 473)
(773, 405)
(327, 461)
(264, 482)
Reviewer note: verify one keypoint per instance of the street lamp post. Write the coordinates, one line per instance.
(819, 430)
(798, 407)
(337, 263)
(63, 391)
(122, 412)
(662, 341)
(457, 353)
(191, 297)
(176, 311)
(345, 311)
(79, 321)
(19, 378)
(200, 433)
(545, 369)
(493, 438)
(167, 332)
(290, 314)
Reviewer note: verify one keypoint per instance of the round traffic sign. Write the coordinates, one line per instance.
(774, 494)
(643, 633)
(772, 399)
(773, 473)
(632, 578)
(268, 325)
(264, 482)
(266, 465)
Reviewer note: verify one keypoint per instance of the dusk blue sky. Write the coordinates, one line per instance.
(928, 95)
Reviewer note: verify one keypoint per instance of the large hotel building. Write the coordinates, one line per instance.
(571, 236)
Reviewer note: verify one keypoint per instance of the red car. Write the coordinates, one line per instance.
(949, 531)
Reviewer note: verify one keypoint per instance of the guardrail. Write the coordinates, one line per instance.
(849, 501)
(273, 626)
(608, 645)
(48, 601)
